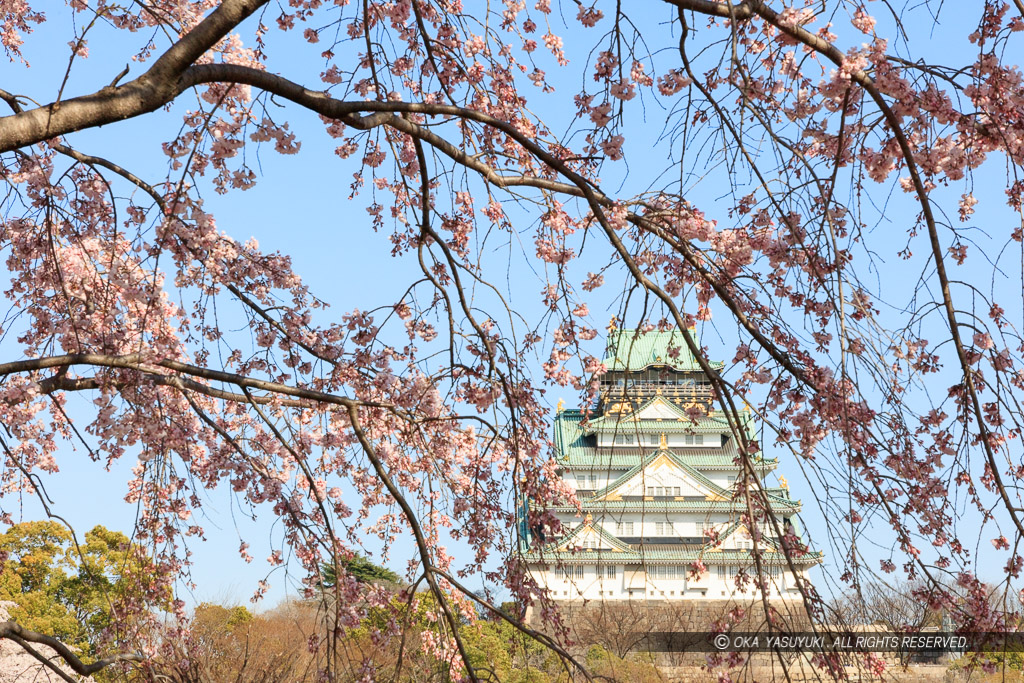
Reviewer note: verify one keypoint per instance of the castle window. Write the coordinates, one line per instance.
(694, 440)
(666, 572)
(625, 439)
(663, 528)
(570, 573)
(624, 529)
(721, 572)
(607, 572)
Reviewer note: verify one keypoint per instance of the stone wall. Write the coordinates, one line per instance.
(619, 628)
(18, 666)
(616, 625)
(766, 673)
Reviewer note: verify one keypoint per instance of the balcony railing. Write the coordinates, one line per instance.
(697, 544)
(652, 384)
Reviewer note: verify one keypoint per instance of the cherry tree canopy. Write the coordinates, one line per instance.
(814, 188)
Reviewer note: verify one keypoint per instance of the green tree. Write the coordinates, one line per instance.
(34, 576)
(210, 616)
(76, 593)
(499, 652)
(361, 568)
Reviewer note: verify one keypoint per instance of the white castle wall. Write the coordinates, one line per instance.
(633, 584)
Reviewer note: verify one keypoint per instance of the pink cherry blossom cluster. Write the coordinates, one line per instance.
(209, 362)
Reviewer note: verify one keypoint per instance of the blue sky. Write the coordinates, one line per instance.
(298, 208)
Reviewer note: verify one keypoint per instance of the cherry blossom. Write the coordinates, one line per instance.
(821, 191)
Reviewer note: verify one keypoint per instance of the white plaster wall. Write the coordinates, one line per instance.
(644, 523)
(709, 586)
(722, 479)
(646, 439)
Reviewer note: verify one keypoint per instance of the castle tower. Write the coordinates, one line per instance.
(657, 471)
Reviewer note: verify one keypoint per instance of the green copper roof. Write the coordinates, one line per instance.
(570, 441)
(634, 350)
(665, 557)
(772, 552)
(771, 549)
(778, 505)
(705, 461)
(715, 423)
(577, 450)
(766, 542)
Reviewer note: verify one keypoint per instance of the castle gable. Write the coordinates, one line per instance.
(662, 474)
(591, 537)
(658, 409)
